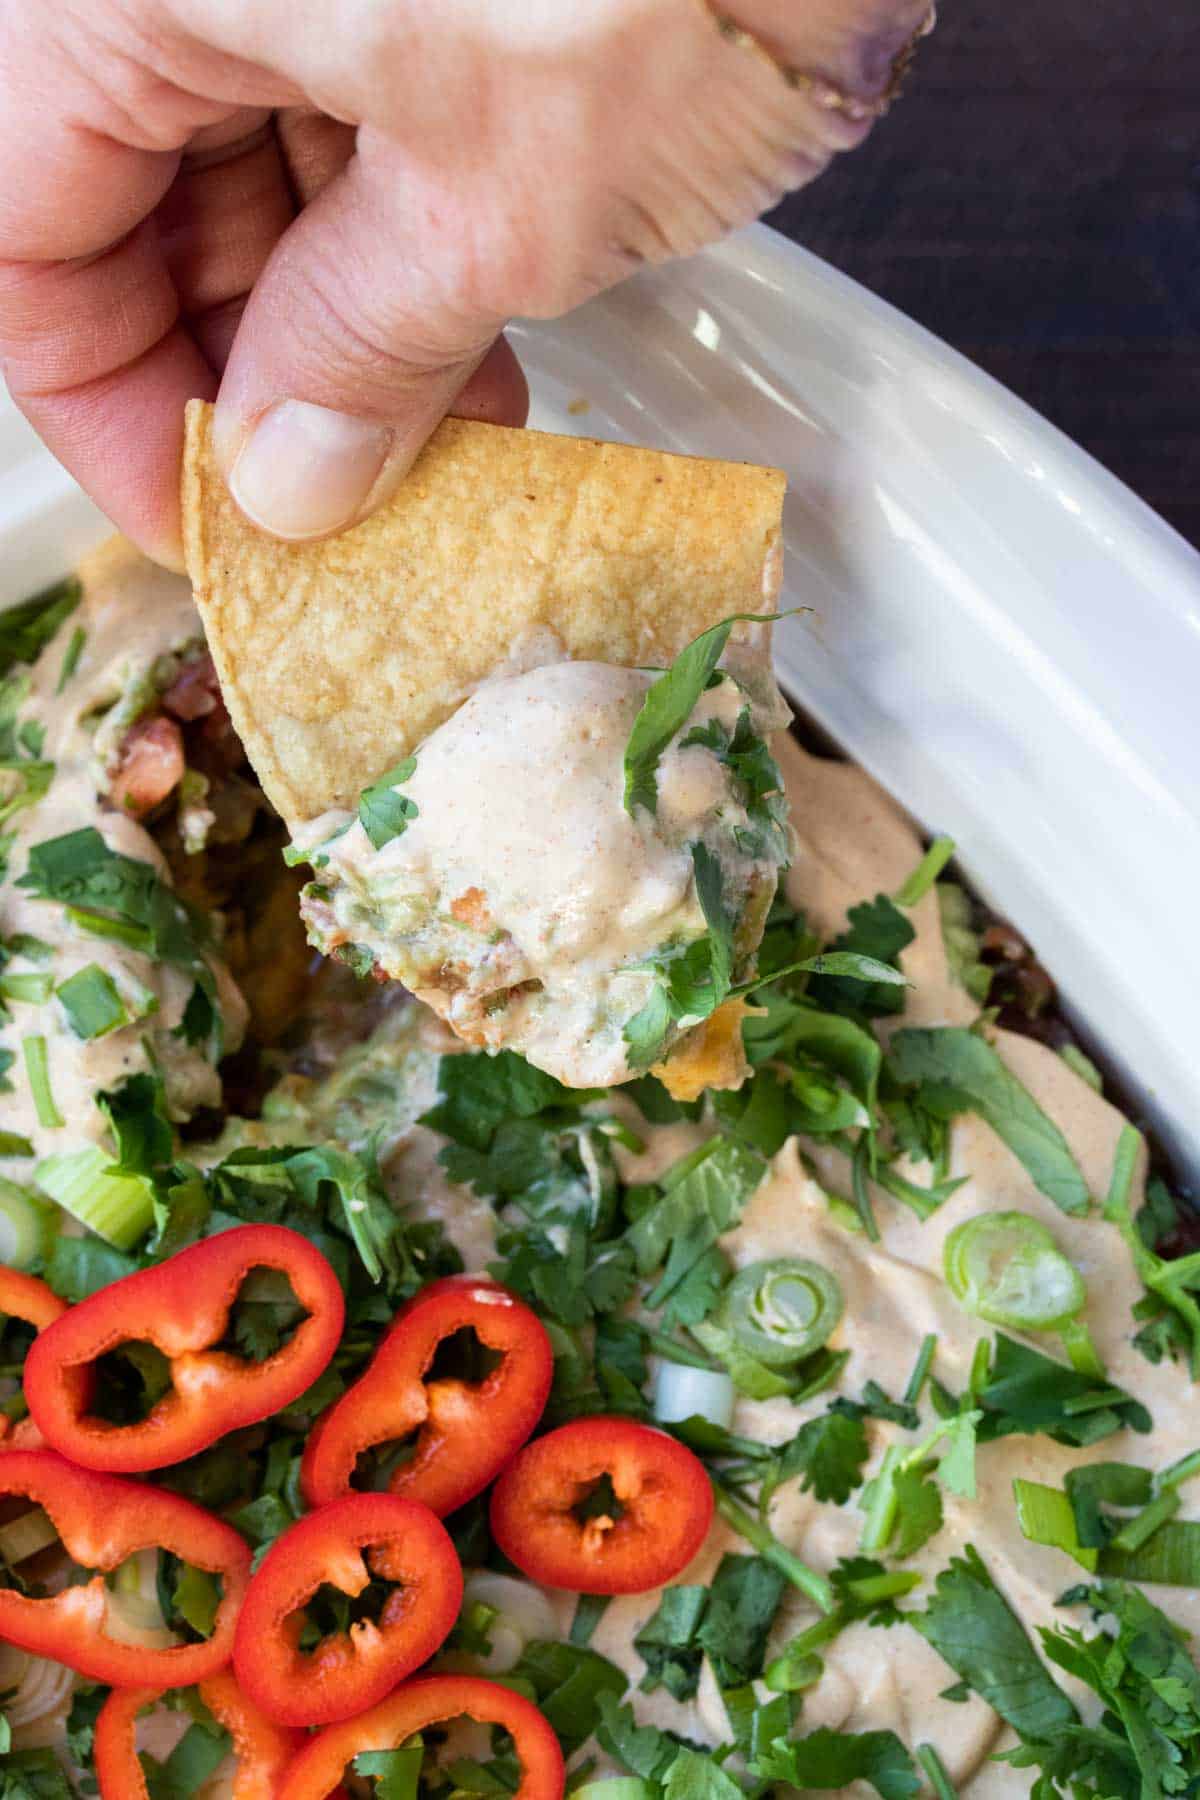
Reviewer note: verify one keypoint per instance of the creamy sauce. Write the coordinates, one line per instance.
(523, 901)
(132, 612)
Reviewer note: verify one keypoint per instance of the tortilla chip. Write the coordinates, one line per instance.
(336, 658)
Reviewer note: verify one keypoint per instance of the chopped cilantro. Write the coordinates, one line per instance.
(826, 1759)
(958, 1071)
(26, 628)
(668, 1643)
(970, 1623)
(396, 1773)
(81, 871)
(1025, 1391)
(383, 813)
(668, 705)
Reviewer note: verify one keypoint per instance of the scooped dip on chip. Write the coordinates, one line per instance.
(551, 876)
(516, 720)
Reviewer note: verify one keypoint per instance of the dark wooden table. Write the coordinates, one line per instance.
(1034, 199)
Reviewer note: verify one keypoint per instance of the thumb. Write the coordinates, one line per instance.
(355, 342)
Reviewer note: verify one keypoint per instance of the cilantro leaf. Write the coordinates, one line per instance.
(828, 1454)
(477, 1094)
(699, 1199)
(919, 1511)
(569, 1684)
(711, 895)
(827, 1759)
(668, 1642)
(136, 1111)
(878, 930)
(1027, 1392)
(743, 1599)
(956, 1071)
(668, 705)
(27, 627)
(642, 1749)
(1146, 1742)
(971, 1625)
(383, 813)
(396, 1772)
(691, 981)
(695, 1775)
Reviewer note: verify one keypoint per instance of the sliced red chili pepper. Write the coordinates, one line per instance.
(263, 1749)
(103, 1520)
(182, 1307)
(348, 1670)
(432, 1700)
(466, 1431)
(549, 1518)
(25, 1297)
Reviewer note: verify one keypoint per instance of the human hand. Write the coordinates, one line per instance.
(324, 216)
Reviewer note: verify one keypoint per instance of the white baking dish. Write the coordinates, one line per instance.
(1000, 631)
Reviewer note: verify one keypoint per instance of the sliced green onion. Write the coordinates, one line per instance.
(1083, 1066)
(33, 989)
(70, 661)
(23, 943)
(1135, 1532)
(122, 931)
(761, 1538)
(1046, 1516)
(589, 1610)
(1007, 1268)
(935, 1769)
(882, 1503)
(118, 1208)
(1183, 1470)
(91, 1002)
(793, 1671)
(13, 1144)
(25, 1536)
(683, 1392)
(926, 872)
(921, 1368)
(520, 1614)
(26, 1226)
(615, 1787)
(134, 1594)
(783, 1310)
(1171, 1557)
(37, 1068)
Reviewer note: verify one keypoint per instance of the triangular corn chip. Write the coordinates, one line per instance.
(336, 658)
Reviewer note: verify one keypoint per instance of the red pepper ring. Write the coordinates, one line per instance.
(347, 1671)
(182, 1307)
(25, 1297)
(664, 1495)
(103, 1520)
(263, 1750)
(466, 1431)
(431, 1700)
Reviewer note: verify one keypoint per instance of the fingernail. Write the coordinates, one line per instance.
(305, 470)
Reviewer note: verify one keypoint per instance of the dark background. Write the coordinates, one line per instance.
(1034, 199)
